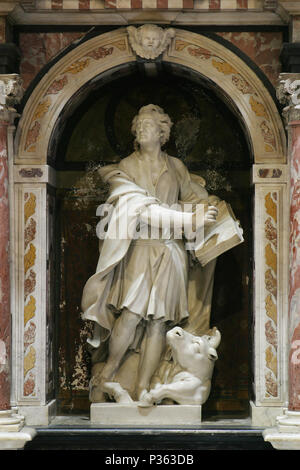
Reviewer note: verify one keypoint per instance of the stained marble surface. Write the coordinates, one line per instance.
(261, 47)
(4, 276)
(294, 295)
(37, 49)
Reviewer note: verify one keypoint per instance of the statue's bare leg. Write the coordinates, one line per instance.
(149, 362)
(121, 338)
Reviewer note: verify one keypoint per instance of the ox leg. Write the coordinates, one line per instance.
(157, 394)
(180, 391)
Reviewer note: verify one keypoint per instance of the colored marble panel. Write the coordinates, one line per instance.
(271, 290)
(30, 232)
(294, 371)
(84, 4)
(214, 4)
(56, 4)
(136, 3)
(162, 3)
(242, 4)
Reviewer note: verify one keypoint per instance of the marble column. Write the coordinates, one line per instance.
(286, 435)
(13, 434)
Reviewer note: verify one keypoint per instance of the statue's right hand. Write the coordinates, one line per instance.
(204, 216)
(210, 216)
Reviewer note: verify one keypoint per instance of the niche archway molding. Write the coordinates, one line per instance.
(220, 66)
(32, 210)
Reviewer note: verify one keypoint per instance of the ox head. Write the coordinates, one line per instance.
(191, 351)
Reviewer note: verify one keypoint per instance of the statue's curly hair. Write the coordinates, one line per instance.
(158, 114)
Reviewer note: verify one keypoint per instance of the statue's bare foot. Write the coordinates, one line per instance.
(116, 391)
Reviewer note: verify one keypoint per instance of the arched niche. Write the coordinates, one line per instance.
(65, 85)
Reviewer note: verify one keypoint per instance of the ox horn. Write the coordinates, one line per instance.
(215, 338)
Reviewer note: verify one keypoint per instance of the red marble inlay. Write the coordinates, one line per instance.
(37, 49)
(136, 3)
(29, 284)
(57, 4)
(188, 3)
(57, 86)
(214, 4)
(242, 4)
(294, 371)
(32, 135)
(100, 52)
(199, 52)
(262, 47)
(294, 297)
(84, 4)
(271, 334)
(29, 335)
(162, 3)
(29, 233)
(29, 385)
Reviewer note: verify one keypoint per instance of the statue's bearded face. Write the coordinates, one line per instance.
(147, 130)
(150, 39)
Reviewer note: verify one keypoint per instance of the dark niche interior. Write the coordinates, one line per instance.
(208, 137)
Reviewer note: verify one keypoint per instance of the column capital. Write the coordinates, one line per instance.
(11, 93)
(288, 94)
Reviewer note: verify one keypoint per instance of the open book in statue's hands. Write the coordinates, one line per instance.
(222, 235)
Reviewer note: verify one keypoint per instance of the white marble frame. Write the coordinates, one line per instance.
(270, 303)
(43, 108)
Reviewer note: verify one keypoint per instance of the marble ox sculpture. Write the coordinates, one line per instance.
(195, 357)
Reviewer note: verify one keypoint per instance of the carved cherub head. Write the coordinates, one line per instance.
(149, 41)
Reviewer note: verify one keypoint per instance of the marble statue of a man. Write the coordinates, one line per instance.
(140, 288)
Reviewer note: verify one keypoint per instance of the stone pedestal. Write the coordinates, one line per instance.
(13, 433)
(286, 434)
(129, 415)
